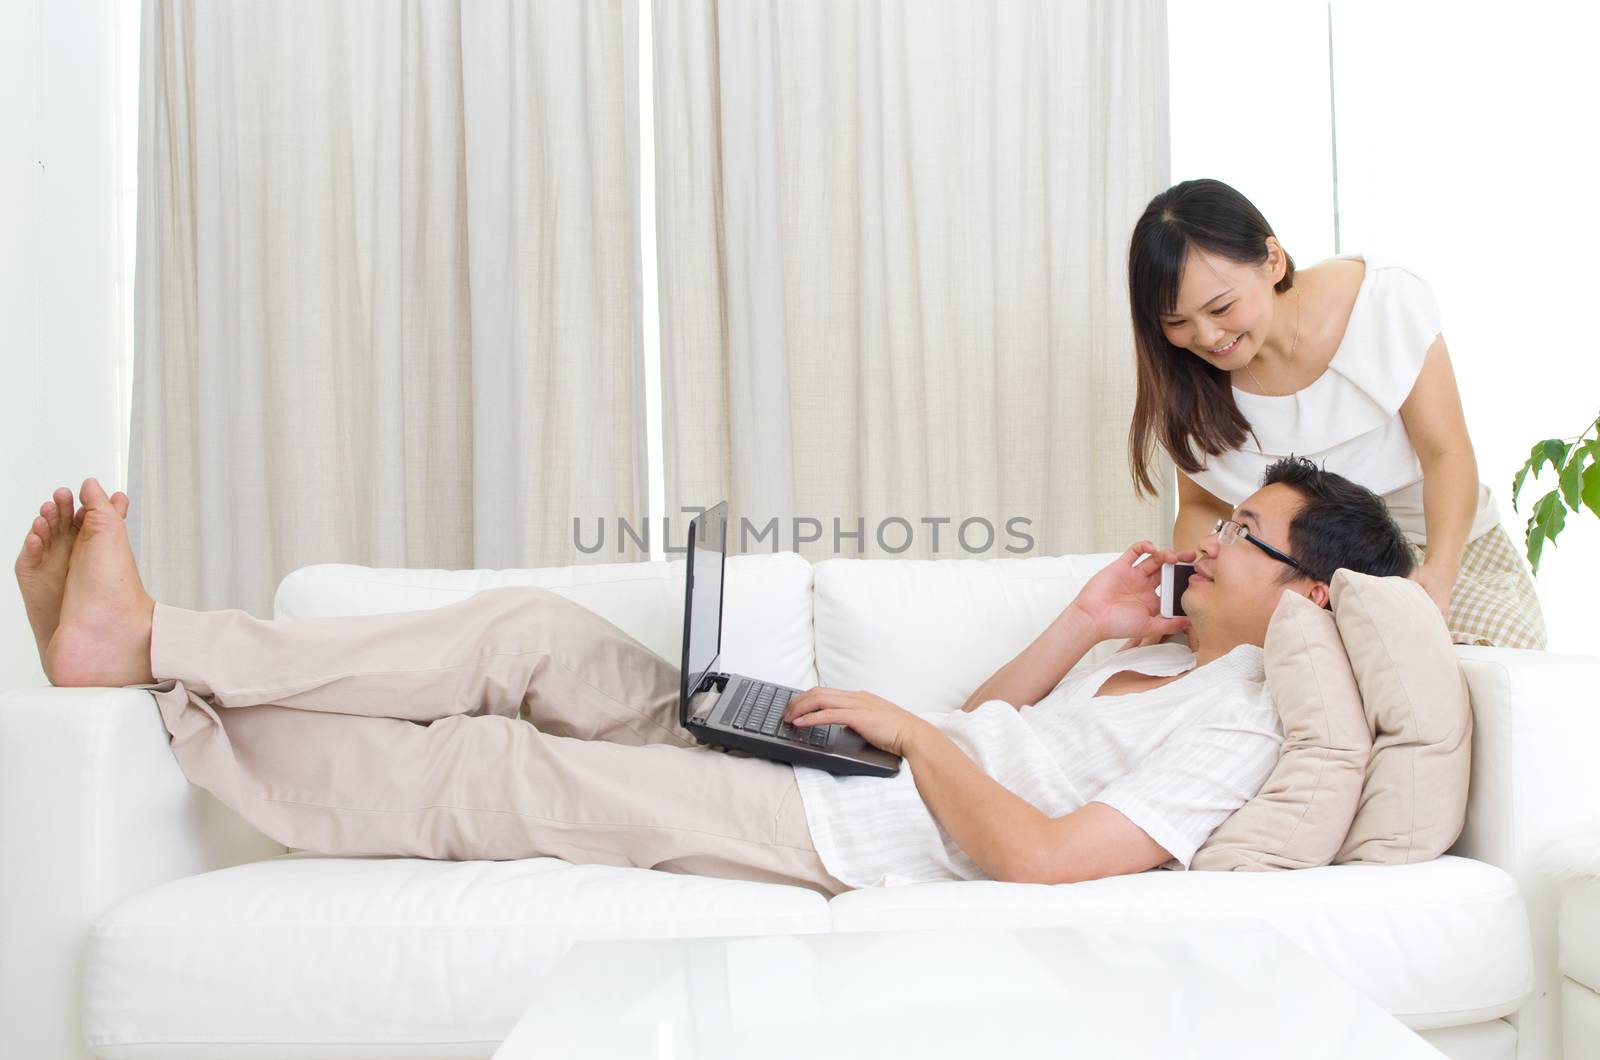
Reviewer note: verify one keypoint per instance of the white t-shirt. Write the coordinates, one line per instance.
(1175, 760)
(1348, 418)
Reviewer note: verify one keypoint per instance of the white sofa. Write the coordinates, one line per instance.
(142, 919)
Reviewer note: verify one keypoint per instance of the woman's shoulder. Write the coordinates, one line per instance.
(1392, 288)
(1393, 322)
(1342, 271)
(1353, 279)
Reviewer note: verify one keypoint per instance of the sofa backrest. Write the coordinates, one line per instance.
(926, 633)
(921, 633)
(766, 629)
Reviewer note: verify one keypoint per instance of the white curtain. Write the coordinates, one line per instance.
(894, 236)
(387, 301)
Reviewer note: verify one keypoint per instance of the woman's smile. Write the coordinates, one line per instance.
(1229, 348)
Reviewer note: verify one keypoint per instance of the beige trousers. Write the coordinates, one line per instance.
(513, 724)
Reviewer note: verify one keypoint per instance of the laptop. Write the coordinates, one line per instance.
(741, 713)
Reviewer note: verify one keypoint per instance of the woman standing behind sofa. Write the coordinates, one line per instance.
(1241, 360)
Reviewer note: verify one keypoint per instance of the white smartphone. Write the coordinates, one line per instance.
(1174, 580)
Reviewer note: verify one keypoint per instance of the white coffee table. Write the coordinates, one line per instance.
(1235, 989)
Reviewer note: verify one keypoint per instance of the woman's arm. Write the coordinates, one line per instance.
(1198, 511)
(1438, 428)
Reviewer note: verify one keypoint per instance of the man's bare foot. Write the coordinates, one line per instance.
(42, 565)
(103, 638)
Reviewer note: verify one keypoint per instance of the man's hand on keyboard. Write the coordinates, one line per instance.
(880, 722)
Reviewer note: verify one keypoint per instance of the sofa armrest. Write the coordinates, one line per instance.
(1536, 731)
(93, 808)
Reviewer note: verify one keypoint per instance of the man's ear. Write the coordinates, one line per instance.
(1319, 593)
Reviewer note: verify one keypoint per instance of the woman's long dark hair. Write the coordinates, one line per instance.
(1183, 403)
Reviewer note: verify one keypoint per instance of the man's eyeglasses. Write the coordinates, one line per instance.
(1229, 530)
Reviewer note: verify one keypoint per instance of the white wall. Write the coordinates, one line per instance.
(1248, 89)
(63, 267)
(1465, 149)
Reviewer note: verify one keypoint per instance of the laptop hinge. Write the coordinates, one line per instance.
(704, 700)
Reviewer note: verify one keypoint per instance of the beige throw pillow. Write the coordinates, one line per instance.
(1414, 801)
(1303, 811)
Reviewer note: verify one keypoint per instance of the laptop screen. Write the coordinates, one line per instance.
(702, 630)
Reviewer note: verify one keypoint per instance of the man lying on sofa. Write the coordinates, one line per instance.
(518, 724)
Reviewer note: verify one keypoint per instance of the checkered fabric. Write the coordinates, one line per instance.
(1493, 602)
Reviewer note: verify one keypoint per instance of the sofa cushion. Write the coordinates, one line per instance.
(313, 955)
(1414, 798)
(1442, 943)
(766, 628)
(440, 958)
(925, 633)
(1301, 814)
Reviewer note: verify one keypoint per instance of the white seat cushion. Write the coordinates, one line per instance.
(766, 626)
(306, 956)
(1436, 944)
(313, 955)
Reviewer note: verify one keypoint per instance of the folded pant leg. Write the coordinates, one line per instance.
(493, 787)
(501, 651)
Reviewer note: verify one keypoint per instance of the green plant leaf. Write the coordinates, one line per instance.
(1572, 481)
(1548, 516)
(1577, 468)
(1535, 544)
(1555, 453)
(1535, 457)
(1551, 515)
(1516, 483)
(1552, 451)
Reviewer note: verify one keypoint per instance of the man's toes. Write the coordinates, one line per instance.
(41, 530)
(92, 494)
(119, 501)
(49, 513)
(64, 505)
(32, 549)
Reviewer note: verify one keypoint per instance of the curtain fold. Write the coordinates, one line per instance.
(551, 103)
(387, 298)
(897, 233)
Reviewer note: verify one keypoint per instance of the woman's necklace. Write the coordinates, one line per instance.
(1292, 346)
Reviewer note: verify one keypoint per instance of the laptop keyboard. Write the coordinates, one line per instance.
(760, 710)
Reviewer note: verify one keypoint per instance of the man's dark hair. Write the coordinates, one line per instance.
(1339, 524)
